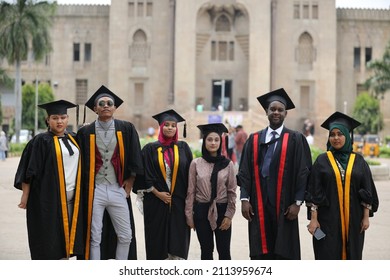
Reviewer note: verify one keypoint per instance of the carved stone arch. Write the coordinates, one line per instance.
(305, 52)
(223, 23)
(139, 47)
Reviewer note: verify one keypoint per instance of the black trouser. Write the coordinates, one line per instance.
(206, 235)
(270, 221)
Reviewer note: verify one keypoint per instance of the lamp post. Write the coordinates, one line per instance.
(222, 84)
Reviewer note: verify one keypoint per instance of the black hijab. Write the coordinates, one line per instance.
(220, 162)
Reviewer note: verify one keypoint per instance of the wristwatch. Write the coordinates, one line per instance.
(298, 202)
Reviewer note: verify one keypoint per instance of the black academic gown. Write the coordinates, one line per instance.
(129, 152)
(323, 192)
(166, 229)
(51, 235)
(289, 171)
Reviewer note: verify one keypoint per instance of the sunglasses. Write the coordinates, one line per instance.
(103, 103)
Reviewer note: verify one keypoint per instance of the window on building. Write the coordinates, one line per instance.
(81, 91)
(76, 51)
(131, 9)
(149, 9)
(140, 8)
(87, 52)
(306, 52)
(47, 60)
(305, 98)
(139, 94)
(305, 12)
(368, 55)
(213, 50)
(314, 11)
(356, 58)
(296, 11)
(222, 50)
(231, 51)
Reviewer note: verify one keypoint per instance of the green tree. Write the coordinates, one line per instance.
(24, 26)
(367, 111)
(45, 94)
(379, 82)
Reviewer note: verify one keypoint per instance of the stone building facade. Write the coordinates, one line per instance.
(162, 54)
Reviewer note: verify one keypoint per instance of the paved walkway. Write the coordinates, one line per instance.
(14, 245)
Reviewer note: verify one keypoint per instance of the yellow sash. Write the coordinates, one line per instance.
(344, 199)
(175, 165)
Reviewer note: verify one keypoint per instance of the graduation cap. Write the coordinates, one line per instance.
(171, 115)
(59, 107)
(340, 118)
(218, 128)
(276, 95)
(101, 92)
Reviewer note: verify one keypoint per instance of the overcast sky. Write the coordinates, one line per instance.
(378, 4)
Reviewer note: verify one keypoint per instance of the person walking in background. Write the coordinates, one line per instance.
(211, 196)
(111, 154)
(49, 174)
(231, 144)
(272, 176)
(240, 139)
(163, 191)
(341, 194)
(3, 146)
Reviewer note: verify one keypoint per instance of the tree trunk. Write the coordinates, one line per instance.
(18, 100)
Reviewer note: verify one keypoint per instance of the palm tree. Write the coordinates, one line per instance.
(379, 82)
(24, 27)
(4, 78)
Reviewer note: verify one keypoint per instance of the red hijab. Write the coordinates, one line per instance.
(167, 143)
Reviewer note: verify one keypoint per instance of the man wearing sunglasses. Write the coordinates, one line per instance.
(111, 154)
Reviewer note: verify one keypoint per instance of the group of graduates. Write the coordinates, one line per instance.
(77, 186)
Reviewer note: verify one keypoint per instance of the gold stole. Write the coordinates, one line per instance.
(69, 235)
(344, 198)
(175, 166)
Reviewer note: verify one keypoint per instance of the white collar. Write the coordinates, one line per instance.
(278, 131)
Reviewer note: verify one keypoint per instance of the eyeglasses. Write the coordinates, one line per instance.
(103, 103)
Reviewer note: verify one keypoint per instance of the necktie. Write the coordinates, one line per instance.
(67, 145)
(268, 155)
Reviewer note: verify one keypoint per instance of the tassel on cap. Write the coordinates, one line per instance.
(85, 112)
(185, 130)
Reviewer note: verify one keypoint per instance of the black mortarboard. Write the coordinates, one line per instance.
(219, 128)
(170, 115)
(340, 118)
(59, 107)
(102, 92)
(276, 95)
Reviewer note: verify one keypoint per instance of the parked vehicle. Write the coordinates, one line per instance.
(371, 145)
(358, 143)
(24, 137)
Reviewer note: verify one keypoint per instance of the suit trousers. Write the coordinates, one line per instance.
(113, 199)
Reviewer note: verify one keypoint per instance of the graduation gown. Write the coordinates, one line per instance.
(289, 171)
(129, 151)
(166, 230)
(52, 235)
(324, 191)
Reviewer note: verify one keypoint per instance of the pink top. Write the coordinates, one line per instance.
(199, 189)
